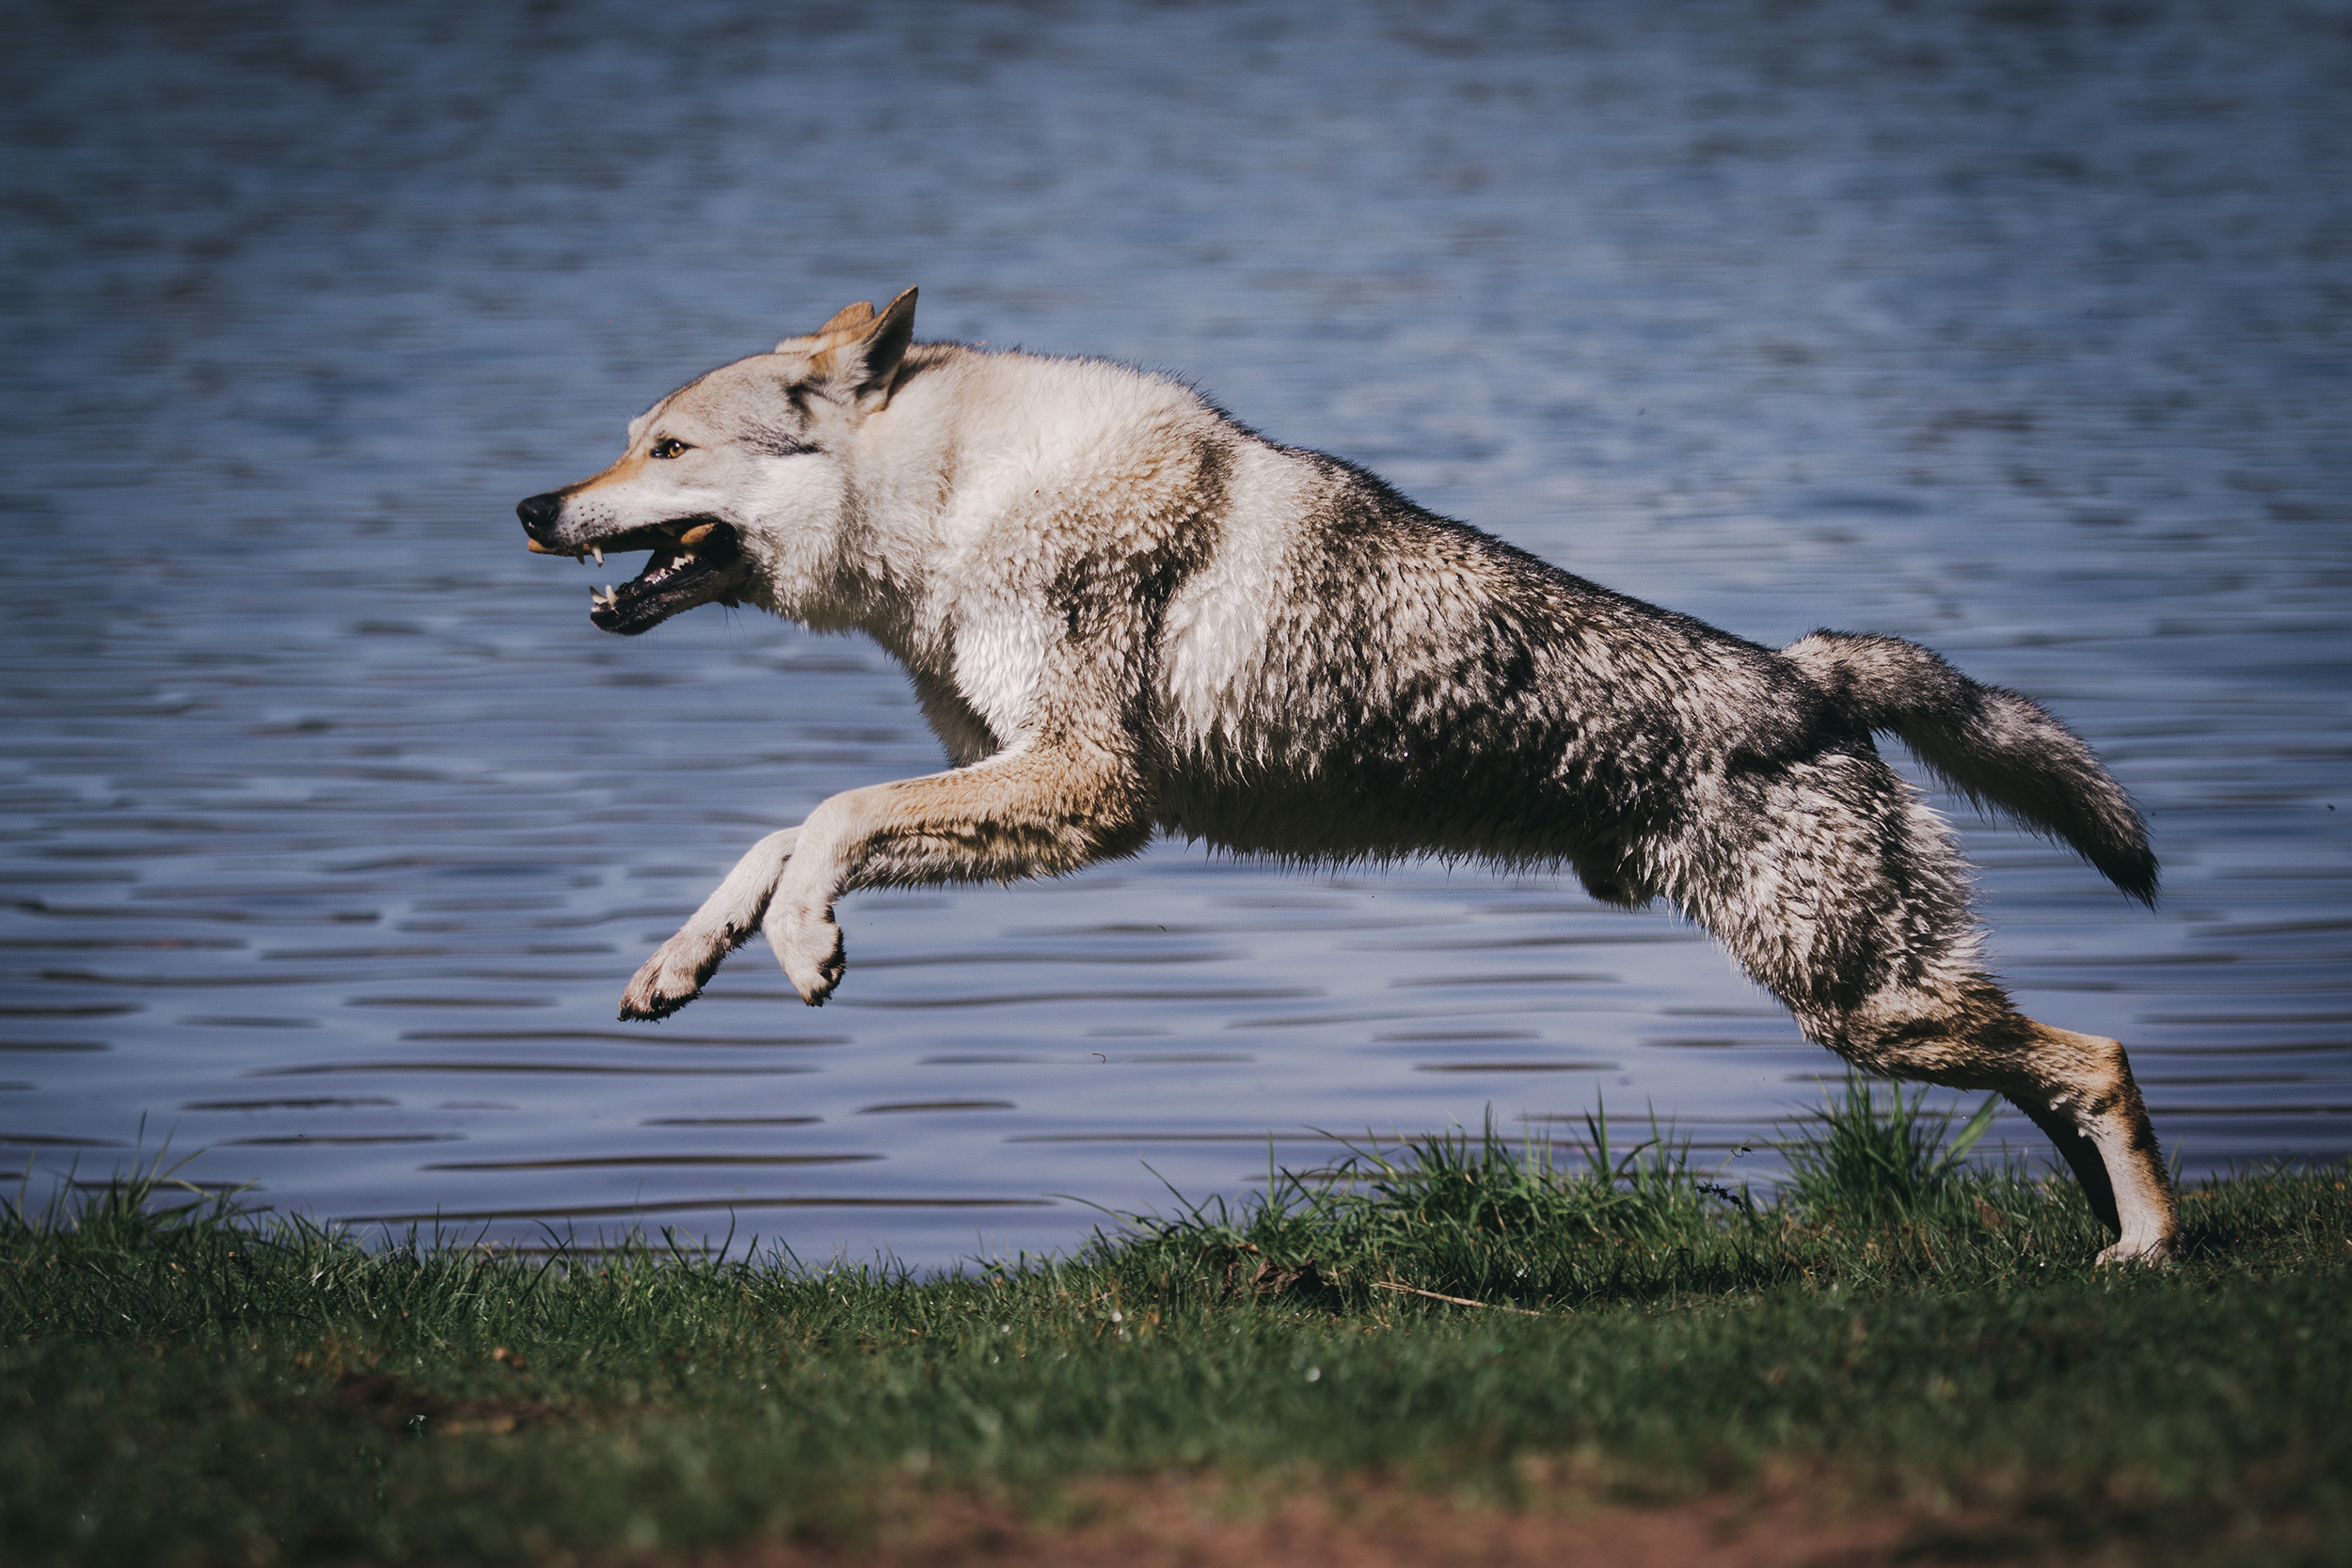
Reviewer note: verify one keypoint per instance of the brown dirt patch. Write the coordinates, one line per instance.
(1187, 1523)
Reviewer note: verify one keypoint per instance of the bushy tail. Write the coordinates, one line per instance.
(1997, 748)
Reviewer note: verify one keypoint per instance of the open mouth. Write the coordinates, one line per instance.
(695, 561)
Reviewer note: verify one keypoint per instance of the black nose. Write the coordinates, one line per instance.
(538, 512)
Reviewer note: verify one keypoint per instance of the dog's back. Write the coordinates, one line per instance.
(1408, 685)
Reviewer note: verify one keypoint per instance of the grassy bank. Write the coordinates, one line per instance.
(187, 1387)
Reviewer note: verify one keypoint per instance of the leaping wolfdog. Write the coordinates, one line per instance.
(1123, 611)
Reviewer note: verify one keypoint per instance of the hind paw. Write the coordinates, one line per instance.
(2154, 1253)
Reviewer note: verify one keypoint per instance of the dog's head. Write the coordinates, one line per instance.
(750, 454)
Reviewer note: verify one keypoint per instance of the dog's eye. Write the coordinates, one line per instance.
(670, 446)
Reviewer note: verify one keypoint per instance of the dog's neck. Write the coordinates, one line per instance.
(965, 479)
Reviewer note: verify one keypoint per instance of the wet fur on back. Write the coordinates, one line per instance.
(1122, 613)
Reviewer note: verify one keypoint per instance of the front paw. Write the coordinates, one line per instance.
(809, 946)
(673, 976)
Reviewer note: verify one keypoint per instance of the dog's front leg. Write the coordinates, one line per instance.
(675, 974)
(1025, 814)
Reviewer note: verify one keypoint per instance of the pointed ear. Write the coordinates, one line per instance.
(845, 326)
(849, 318)
(885, 347)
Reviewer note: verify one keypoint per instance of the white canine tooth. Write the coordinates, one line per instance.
(608, 592)
(598, 551)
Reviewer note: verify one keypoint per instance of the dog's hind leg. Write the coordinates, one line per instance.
(2077, 1088)
(2083, 1097)
(1836, 888)
(676, 973)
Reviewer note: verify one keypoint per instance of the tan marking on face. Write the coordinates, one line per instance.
(631, 465)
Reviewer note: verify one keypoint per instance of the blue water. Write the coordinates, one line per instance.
(332, 830)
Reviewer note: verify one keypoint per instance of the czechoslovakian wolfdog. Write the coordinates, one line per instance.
(1124, 612)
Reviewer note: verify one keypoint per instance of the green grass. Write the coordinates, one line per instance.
(187, 1386)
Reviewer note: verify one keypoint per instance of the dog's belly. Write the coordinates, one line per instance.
(1340, 808)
